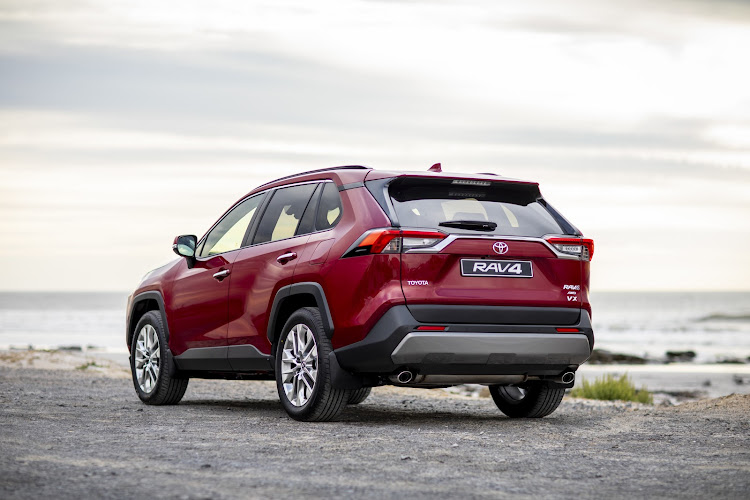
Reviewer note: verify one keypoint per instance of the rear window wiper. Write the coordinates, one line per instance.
(474, 225)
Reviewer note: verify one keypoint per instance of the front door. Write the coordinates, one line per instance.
(198, 317)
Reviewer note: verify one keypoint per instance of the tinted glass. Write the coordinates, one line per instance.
(229, 233)
(307, 224)
(329, 208)
(513, 207)
(282, 216)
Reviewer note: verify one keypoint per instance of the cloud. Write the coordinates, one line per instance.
(138, 120)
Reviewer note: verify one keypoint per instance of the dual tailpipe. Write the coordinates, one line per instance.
(407, 377)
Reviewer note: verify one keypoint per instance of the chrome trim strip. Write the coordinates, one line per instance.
(453, 237)
(491, 348)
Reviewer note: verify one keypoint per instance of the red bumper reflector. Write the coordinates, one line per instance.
(432, 328)
(568, 330)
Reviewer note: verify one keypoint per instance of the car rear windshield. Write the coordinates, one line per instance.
(472, 207)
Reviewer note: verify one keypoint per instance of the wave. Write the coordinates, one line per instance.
(726, 317)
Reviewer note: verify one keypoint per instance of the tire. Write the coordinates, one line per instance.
(303, 375)
(155, 376)
(359, 395)
(534, 400)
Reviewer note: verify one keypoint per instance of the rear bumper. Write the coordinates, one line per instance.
(394, 344)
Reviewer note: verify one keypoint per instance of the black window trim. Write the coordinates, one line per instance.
(320, 181)
(253, 226)
(317, 207)
(199, 246)
(312, 204)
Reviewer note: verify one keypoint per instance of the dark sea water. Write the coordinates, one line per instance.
(714, 325)
(49, 319)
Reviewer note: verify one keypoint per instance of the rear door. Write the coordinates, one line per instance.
(494, 253)
(267, 265)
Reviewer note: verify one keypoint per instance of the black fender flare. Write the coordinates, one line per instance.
(150, 295)
(309, 288)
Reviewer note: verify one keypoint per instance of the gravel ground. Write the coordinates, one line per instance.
(69, 433)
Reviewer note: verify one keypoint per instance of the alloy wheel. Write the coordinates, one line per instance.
(299, 364)
(515, 393)
(147, 358)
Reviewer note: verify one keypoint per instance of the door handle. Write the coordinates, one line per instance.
(221, 274)
(286, 257)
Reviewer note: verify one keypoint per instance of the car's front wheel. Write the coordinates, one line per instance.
(532, 400)
(154, 375)
(303, 376)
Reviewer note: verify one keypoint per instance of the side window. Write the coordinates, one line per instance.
(307, 224)
(229, 233)
(282, 216)
(329, 208)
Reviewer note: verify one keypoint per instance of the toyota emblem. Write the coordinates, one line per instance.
(500, 247)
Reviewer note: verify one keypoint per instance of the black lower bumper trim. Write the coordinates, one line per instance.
(495, 315)
(373, 354)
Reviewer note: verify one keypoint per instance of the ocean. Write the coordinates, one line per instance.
(714, 325)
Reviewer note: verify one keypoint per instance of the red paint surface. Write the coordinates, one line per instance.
(203, 312)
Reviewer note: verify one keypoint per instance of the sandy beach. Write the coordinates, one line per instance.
(72, 427)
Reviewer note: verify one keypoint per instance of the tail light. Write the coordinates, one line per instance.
(581, 247)
(393, 241)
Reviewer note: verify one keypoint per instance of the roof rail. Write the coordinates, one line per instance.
(343, 167)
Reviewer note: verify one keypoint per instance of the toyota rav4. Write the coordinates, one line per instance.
(335, 281)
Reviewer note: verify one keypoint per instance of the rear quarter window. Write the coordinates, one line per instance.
(329, 209)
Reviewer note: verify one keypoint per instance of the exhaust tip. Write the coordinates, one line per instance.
(405, 377)
(568, 377)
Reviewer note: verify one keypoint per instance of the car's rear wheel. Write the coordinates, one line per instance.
(154, 374)
(532, 400)
(359, 395)
(303, 375)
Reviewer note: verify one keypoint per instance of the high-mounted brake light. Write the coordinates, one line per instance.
(393, 241)
(582, 247)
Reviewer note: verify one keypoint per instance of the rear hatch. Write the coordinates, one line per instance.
(481, 243)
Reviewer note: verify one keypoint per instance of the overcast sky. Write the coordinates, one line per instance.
(125, 123)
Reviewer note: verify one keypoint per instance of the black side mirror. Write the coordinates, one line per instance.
(184, 246)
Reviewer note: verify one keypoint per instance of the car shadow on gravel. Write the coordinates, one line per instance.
(416, 415)
(259, 405)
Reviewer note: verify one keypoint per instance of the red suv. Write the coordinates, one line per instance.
(335, 281)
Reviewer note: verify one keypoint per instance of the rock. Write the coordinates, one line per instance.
(603, 357)
(680, 356)
(731, 361)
